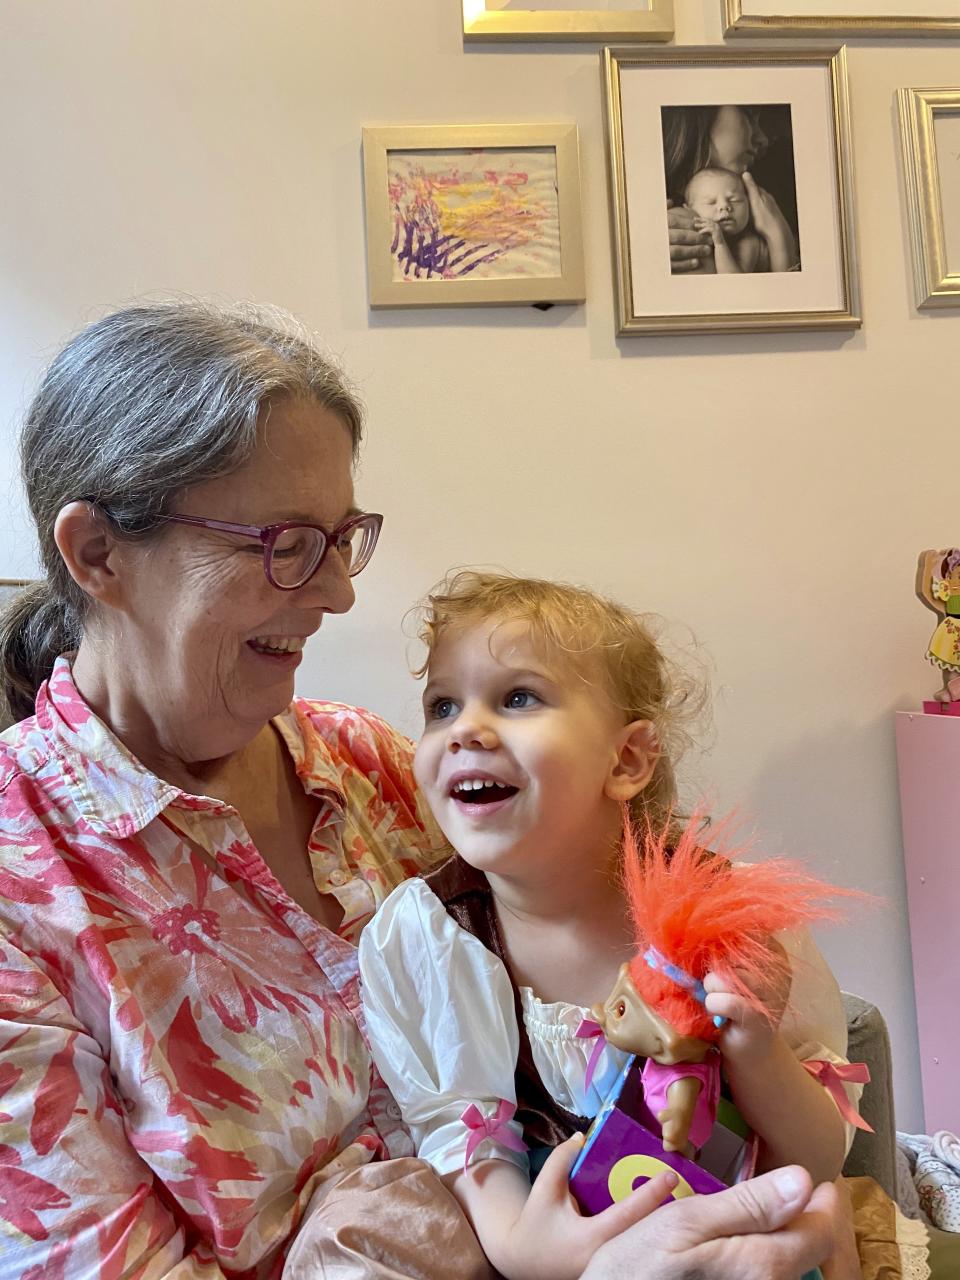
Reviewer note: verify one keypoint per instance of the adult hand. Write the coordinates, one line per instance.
(552, 1239)
(688, 243)
(771, 224)
(774, 1227)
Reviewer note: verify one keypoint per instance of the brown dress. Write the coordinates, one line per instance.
(468, 899)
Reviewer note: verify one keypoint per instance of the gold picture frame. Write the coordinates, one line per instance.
(473, 215)
(818, 289)
(935, 285)
(829, 23)
(482, 20)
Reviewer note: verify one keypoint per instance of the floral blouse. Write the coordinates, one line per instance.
(180, 1061)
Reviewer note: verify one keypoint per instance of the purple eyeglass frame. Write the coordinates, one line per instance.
(269, 533)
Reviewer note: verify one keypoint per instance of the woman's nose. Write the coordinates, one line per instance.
(331, 586)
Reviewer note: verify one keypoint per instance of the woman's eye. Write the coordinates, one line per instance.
(621, 1009)
(289, 548)
(518, 699)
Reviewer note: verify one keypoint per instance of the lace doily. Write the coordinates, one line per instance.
(914, 1250)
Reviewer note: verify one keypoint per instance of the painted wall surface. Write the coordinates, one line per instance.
(769, 491)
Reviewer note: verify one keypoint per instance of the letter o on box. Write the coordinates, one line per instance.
(625, 1173)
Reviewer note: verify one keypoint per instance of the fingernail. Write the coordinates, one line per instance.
(790, 1185)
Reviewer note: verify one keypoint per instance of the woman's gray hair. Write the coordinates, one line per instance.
(134, 410)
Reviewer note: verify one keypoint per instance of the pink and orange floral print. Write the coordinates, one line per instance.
(180, 1058)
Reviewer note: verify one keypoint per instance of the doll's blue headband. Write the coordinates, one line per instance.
(683, 979)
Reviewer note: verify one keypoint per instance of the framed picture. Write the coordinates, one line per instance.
(731, 190)
(473, 215)
(565, 20)
(930, 134)
(841, 17)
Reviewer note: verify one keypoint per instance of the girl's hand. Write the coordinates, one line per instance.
(748, 1033)
(773, 226)
(552, 1239)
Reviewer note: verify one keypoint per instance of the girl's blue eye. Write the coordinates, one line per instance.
(519, 699)
(442, 708)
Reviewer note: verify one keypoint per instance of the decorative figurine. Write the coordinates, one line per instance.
(938, 586)
(696, 912)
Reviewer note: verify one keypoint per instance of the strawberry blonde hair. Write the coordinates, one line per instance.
(604, 644)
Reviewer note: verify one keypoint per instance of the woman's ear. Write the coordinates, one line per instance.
(639, 751)
(88, 545)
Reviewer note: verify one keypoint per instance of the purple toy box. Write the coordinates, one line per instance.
(622, 1150)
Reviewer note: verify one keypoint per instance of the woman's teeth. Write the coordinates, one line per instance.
(278, 644)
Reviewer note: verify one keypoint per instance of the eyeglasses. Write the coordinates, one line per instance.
(293, 552)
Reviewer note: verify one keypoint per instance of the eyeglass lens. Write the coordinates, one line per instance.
(298, 551)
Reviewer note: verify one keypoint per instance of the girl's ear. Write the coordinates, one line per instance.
(88, 545)
(636, 758)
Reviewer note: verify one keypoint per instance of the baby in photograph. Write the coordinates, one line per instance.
(749, 231)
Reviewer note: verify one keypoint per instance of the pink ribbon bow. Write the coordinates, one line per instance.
(586, 1031)
(832, 1076)
(495, 1127)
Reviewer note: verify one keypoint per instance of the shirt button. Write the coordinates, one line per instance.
(393, 1111)
(338, 877)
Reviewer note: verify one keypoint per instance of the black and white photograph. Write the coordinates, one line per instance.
(731, 188)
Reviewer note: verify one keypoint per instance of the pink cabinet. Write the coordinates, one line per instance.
(928, 757)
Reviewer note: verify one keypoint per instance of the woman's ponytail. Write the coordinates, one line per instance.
(35, 628)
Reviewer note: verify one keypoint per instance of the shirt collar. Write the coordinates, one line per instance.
(115, 793)
(317, 770)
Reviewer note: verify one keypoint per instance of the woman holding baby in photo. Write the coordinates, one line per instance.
(731, 189)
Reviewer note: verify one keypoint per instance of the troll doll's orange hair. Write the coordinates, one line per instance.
(706, 912)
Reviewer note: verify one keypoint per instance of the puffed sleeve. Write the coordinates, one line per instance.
(439, 1009)
(814, 1024)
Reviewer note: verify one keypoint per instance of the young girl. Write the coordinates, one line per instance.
(546, 709)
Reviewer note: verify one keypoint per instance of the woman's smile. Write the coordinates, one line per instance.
(287, 650)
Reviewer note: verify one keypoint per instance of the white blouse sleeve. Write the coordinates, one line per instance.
(814, 1024)
(442, 1024)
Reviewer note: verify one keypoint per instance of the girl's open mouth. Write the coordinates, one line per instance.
(481, 791)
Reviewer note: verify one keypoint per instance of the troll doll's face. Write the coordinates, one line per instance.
(630, 1024)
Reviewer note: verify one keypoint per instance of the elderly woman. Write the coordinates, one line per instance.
(189, 852)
